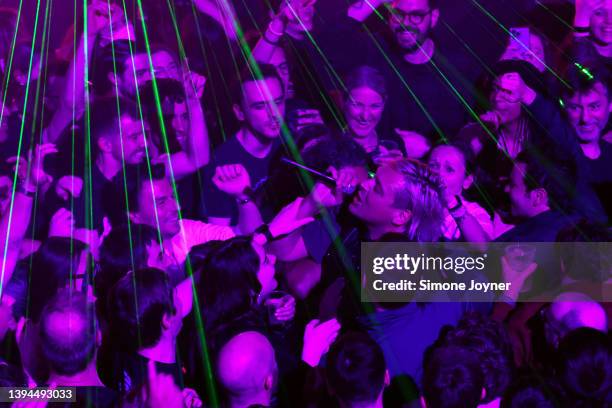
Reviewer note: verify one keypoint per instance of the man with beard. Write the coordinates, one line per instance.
(429, 82)
(259, 107)
(117, 138)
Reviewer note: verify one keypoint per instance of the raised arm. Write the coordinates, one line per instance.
(73, 102)
(197, 148)
(15, 221)
(233, 179)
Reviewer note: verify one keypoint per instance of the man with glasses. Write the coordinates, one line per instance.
(429, 80)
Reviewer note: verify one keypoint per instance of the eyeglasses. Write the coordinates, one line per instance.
(414, 17)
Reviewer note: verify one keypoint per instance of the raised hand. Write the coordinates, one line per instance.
(69, 186)
(191, 398)
(324, 195)
(416, 144)
(288, 220)
(194, 84)
(232, 179)
(62, 224)
(286, 311)
(318, 337)
(37, 176)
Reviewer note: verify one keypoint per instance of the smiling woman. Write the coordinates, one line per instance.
(364, 103)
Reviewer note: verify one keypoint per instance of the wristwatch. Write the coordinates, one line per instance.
(264, 230)
(458, 211)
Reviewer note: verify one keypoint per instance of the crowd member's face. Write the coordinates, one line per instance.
(411, 21)
(266, 271)
(163, 64)
(601, 24)
(131, 137)
(588, 112)
(158, 196)
(302, 14)
(279, 61)
(363, 109)
(449, 164)
(521, 202)
(505, 98)
(180, 122)
(375, 199)
(263, 107)
(136, 71)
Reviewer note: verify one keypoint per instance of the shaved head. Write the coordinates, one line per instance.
(247, 368)
(577, 310)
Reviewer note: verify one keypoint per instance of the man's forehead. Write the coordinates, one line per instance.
(410, 5)
(387, 175)
(508, 80)
(596, 92)
(130, 123)
(262, 90)
(160, 188)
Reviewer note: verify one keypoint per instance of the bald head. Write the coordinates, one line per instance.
(67, 333)
(247, 368)
(575, 310)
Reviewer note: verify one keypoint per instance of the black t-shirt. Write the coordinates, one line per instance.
(135, 371)
(221, 205)
(429, 98)
(600, 176)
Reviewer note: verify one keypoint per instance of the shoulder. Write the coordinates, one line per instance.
(227, 151)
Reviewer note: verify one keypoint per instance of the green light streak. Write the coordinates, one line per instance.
(21, 131)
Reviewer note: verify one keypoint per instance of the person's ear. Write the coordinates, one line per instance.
(539, 197)
(401, 217)
(467, 183)
(98, 337)
(269, 383)
(483, 394)
(238, 112)
(423, 403)
(435, 14)
(166, 321)
(387, 378)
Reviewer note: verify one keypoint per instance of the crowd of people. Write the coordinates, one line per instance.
(185, 188)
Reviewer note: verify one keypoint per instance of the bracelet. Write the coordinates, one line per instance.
(458, 205)
(264, 230)
(243, 201)
(458, 213)
(249, 194)
(271, 30)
